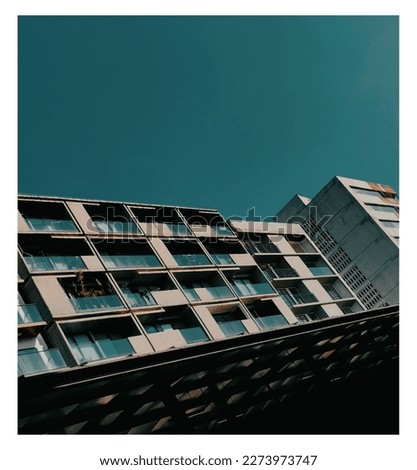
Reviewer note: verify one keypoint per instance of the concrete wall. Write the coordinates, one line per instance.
(166, 339)
(54, 296)
(169, 297)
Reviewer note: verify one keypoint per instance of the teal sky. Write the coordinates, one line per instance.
(209, 111)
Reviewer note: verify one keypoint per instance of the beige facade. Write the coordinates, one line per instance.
(102, 281)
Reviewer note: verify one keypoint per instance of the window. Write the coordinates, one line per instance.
(390, 223)
(266, 315)
(231, 322)
(318, 267)
(273, 271)
(110, 218)
(140, 296)
(332, 291)
(260, 244)
(315, 315)
(376, 195)
(47, 216)
(90, 292)
(92, 346)
(297, 295)
(32, 361)
(384, 209)
(187, 253)
(181, 319)
(307, 317)
(244, 286)
(48, 253)
(300, 244)
(118, 254)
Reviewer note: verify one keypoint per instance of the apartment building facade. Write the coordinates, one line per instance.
(356, 226)
(102, 285)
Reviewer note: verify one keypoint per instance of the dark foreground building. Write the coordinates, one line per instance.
(141, 319)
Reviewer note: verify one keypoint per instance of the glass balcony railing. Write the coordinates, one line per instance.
(135, 299)
(191, 295)
(177, 229)
(192, 260)
(321, 271)
(51, 225)
(102, 349)
(295, 299)
(285, 272)
(194, 334)
(271, 321)
(273, 273)
(219, 292)
(115, 226)
(28, 313)
(100, 302)
(232, 328)
(130, 261)
(40, 361)
(253, 289)
(222, 259)
(261, 247)
(54, 263)
(216, 292)
(221, 230)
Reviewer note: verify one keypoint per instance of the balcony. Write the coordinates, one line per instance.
(215, 293)
(115, 226)
(265, 246)
(252, 289)
(222, 231)
(271, 272)
(232, 328)
(54, 263)
(292, 298)
(321, 271)
(271, 322)
(130, 261)
(191, 259)
(50, 225)
(222, 259)
(333, 292)
(177, 229)
(28, 313)
(34, 362)
(86, 350)
(100, 302)
(139, 299)
(193, 334)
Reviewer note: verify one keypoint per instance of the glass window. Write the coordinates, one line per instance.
(386, 209)
(390, 223)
